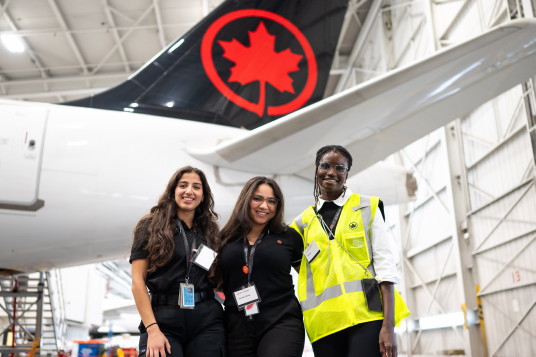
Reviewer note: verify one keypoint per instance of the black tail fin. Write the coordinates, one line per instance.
(244, 65)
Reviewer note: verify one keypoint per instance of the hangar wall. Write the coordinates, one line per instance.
(469, 237)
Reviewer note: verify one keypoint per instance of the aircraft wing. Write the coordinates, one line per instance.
(382, 116)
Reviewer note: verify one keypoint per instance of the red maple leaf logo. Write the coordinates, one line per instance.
(260, 62)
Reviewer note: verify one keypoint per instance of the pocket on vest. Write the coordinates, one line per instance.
(356, 244)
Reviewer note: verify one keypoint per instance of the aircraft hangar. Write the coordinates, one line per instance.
(467, 234)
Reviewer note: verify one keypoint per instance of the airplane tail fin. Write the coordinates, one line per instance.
(245, 64)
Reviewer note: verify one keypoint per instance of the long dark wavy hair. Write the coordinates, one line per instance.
(319, 154)
(239, 224)
(157, 228)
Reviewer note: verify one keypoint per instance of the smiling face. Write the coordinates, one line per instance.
(330, 178)
(262, 206)
(188, 193)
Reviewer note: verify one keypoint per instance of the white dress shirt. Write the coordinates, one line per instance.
(384, 249)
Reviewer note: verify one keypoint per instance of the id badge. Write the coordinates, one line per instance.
(251, 309)
(311, 252)
(186, 296)
(204, 257)
(246, 295)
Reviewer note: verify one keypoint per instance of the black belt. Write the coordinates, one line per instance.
(173, 299)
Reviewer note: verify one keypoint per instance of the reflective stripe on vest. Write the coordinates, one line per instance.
(311, 299)
(299, 223)
(366, 212)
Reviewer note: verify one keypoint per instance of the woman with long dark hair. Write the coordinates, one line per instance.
(346, 280)
(262, 314)
(180, 316)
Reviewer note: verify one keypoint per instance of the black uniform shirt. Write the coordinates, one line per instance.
(273, 258)
(166, 279)
(329, 210)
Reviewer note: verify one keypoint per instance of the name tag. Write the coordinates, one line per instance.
(204, 257)
(246, 295)
(311, 252)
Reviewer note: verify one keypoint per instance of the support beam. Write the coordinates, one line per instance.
(425, 181)
(508, 264)
(416, 32)
(55, 80)
(455, 22)
(364, 34)
(458, 192)
(115, 34)
(406, 291)
(57, 30)
(132, 64)
(70, 39)
(119, 43)
(518, 324)
(46, 94)
(505, 216)
(158, 16)
(39, 308)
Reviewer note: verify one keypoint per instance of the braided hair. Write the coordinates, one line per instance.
(319, 154)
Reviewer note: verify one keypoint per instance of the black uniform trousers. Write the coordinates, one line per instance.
(276, 331)
(361, 340)
(191, 333)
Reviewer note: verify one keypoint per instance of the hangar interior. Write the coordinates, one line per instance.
(467, 239)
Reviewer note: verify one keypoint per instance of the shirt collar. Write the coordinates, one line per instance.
(185, 226)
(340, 201)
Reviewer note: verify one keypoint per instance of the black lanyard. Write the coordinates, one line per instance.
(249, 256)
(187, 250)
(329, 230)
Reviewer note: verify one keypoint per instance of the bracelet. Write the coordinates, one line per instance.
(146, 327)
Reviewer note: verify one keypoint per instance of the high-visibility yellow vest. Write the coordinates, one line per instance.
(329, 288)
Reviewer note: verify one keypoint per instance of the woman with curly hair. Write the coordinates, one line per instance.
(180, 316)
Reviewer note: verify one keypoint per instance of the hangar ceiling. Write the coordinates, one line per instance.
(75, 48)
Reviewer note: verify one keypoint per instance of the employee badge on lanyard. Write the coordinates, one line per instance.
(187, 290)
(203, 257)
(247, 297)
(187, 296)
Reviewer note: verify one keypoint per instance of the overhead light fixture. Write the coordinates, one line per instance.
(12, 42)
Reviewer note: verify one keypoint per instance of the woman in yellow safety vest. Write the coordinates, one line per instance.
(348, 253)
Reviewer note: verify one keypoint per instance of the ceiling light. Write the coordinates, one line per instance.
(12, 42)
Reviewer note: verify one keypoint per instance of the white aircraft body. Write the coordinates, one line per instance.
(74, 181)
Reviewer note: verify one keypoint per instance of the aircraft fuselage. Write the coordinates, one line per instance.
(75, 181)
